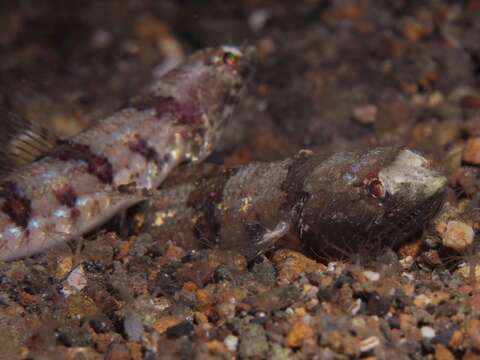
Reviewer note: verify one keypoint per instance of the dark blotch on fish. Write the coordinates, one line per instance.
(101, 168)
(185, 114)
(66, 196)
(161, 104)
(16, 206)
(141, 147)
(97, 165)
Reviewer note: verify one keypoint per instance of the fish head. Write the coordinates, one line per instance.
(223, 84)
(369, 200)
(206, 89)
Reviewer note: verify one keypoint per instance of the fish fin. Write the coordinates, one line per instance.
(255, 230)
(128, 199)
(22, 141)
(262, 238)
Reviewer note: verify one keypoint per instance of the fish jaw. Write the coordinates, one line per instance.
(413, 175)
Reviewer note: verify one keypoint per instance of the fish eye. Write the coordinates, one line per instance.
(229, 58)
(376, 188)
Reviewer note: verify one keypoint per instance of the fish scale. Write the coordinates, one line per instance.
(81, 183)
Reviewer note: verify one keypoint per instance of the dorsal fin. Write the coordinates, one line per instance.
(22, 141)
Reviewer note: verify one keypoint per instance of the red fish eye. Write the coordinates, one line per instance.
(376, 188)
(230, 58)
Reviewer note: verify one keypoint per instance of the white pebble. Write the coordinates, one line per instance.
(407, 262)
(356, 307)
(427, 332)
(371, 275)
(231, 342)
(369, 343)
(365, 114)
(75, 281)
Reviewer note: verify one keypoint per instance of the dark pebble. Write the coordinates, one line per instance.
(378, 305)
(223, 273)
(166, 284)
(443, 336)
(394, 322)
(343, 279)
(181, 329)
(78, 337)
(100, 326)
(94, 267)
(325, 294)
(400, 300)
(264, 272)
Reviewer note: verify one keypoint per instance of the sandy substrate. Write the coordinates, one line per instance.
(331, 75)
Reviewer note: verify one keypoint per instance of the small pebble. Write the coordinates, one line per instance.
(181, 329)
(442, 353)
(406, 321)
(64, 266)
(200, 318)
(458, 235)
(118, 352)
(471, 152)
(456, 340)
(231, 342)
(439, 297)
(164, 323)
(133, 327)
(369, 343)
(253, 343)
(371, 275)
(216, 347)
(422, 300)
(136, 350)
(298, 334)
(407, 262)
(291, 264)
(75, 282)
(473, 332)
(427, 332)
(366, 114)
(356, 307)
(469, 271)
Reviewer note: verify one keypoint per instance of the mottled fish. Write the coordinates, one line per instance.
(333, 203)
(86, 180)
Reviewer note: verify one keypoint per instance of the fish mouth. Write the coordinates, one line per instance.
(437, 184)
(412, 176)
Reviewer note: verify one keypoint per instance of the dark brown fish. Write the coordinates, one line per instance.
(333, 203)
(81, 183)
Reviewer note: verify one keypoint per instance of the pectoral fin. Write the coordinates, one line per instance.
(264, 239)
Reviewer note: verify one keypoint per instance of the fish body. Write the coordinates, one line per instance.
(333, 203)
(89, 178)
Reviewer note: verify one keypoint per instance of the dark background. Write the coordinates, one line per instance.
(333, 74)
